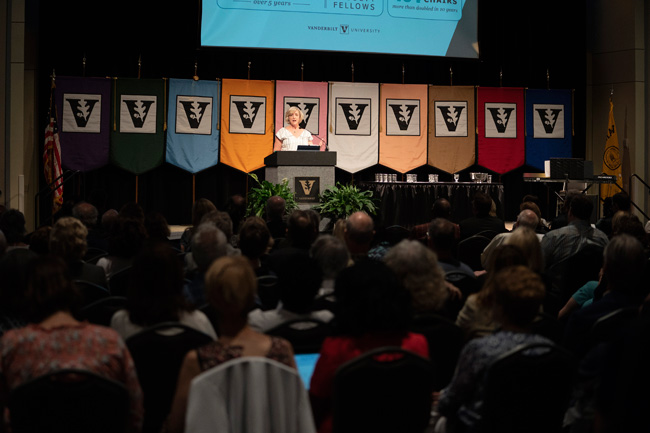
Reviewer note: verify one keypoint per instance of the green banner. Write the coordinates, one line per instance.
(137, 126)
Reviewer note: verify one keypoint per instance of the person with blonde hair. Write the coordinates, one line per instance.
(526, 239)
(292, 135)
(231, 287)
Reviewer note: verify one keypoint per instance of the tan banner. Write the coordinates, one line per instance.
(246, 123)
(452, 131)
(403, 130)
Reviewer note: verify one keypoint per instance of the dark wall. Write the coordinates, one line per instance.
(518, 39)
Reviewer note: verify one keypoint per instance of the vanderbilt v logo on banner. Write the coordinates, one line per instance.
(81, 113)
(245, 117)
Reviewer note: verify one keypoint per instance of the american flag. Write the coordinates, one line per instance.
(52, 162)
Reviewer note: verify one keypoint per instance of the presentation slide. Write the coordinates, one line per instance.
(414, 27)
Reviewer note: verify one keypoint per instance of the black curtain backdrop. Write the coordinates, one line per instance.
(519, 43)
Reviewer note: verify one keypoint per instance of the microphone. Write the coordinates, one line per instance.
(322, 140)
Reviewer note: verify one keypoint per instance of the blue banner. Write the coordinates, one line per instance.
(193, 124)
(548, 126)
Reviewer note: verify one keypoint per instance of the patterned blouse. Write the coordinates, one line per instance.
(215, 353)
(33, 351)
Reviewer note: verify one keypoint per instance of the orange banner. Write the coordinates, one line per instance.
(246, 123)
(403, 126)
(452, 134)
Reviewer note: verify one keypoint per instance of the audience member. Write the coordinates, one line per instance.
(481, 220)
(517, 294)
(132, 210)
(623, 270)
(255, 243)
(559, 244)
(417, 268)
(3, 244)
(359, 233)
(155, 295)
(208, 244)
(301, 233)
(541, 227)
(127, 237)
(441, 209)
(332, 257)
(12, 224)
(526, 218)
(276, 217)
(231, 290)
(55, 340)
(236, 209)
(298, 287)
(68, 241)
(87, 213)
(157, 228)
(13, 286)
(443, 241)
(561, 219)
(374, 311)
(620, 202)
(200, 207)
(108, 219)
(528, 241)
(476, 317)
(39, 240)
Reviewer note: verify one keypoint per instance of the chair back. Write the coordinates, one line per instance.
(69, 401)
(446, 340)
(470, 249)
(119, 282)
(101, 311)
(93, 254)
(527, 389)
(158, 353)
(305, 335)
(249, 394)
(613, 325)
(388, 389)
(467, 284)
(396, 233)
(91, 292)
(268, 291)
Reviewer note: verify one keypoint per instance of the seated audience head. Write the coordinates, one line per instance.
(155, 294)
(108, 219)
(275, 208)
(580, 208)
(530, 198)
(231, 287)
(518, 294)
(621, 202)
(254, 238)
(126, 237)
(331, 254)
(201, 207)
(481, 205)
(221, 220)
(370, 299)
(526, 239)
(504, 255)
(441, 209)
(208, 244)
(68, 239)
(623, 264)
(39, 240)
(568, 198)
(416, 266)
(12, 224)
(157, 228)
(359, 232)
(132, 210)
(442, 236)
(339, 228)
(301, 231)
(527, 218)
(86, 213)
(49, 288)
(236, 208)
(625, 222)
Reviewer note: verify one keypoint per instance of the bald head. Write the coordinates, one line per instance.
(527, 218)
(359, 231)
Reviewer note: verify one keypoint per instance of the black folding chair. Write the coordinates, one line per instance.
(119, 282)
(305, 335)
(101, 311)
(91, 292)
(158, 356)
(388, 389)
(69, 401)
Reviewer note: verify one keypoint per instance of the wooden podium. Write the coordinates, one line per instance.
(309, 172)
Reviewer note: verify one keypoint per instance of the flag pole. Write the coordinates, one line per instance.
(193, 187)
(83, 66)
(352, 66)
(302, 71)
(451, 76)
(403, 72)
(249, 70)
(196, 75)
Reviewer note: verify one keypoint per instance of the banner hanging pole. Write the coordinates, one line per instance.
(136, 188)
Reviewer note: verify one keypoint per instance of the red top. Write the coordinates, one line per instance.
(336, 351)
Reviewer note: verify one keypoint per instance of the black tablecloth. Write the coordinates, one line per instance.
(409, 204)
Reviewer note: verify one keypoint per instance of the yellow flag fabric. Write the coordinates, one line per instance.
(246, 123)
(452, 135)
(611, 157)
(403, 126)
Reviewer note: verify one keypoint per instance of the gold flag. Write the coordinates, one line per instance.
(611, 157)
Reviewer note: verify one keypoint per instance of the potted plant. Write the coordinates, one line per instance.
(340, 201)
(258, 196)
